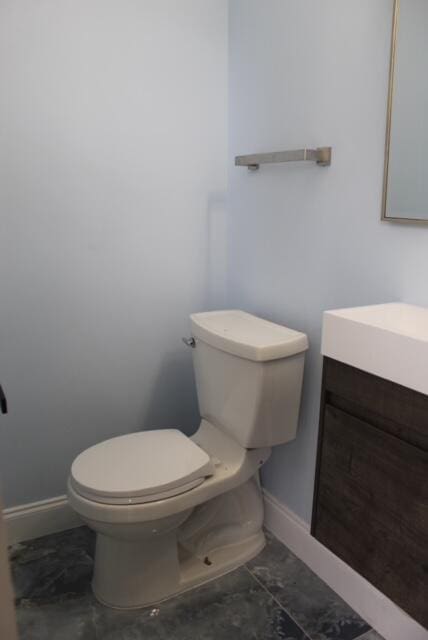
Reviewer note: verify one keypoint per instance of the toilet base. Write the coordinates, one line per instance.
(195, 572)
(147, 563)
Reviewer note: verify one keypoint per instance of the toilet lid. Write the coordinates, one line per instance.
(140, 467)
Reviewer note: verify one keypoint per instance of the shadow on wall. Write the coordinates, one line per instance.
(217, 250)
(173, 402)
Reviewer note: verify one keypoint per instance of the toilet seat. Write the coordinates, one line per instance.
(140, 467)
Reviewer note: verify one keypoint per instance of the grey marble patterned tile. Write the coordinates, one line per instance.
(71, 619)
(232, 607)
(52, 579)
(315, 607)
(52, 568)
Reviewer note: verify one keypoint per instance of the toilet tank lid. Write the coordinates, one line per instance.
(247, 336)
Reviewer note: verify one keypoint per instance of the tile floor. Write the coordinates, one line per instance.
(273, 597)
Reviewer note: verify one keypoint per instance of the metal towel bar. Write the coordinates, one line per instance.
(322, 156)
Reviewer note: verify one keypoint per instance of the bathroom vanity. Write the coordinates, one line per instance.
(371, 491)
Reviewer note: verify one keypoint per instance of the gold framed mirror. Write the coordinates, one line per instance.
(405, 186)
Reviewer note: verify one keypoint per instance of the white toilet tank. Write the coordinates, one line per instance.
(249, 375)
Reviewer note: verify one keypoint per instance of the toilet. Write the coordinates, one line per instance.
(172, 512)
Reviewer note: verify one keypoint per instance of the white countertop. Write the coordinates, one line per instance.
(387, 340)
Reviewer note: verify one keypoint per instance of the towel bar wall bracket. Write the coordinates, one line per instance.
(322, 156)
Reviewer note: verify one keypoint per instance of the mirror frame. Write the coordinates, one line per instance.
(393, 54)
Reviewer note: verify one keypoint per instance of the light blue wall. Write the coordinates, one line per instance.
(113, 127)
(305, 239)
(113, 178)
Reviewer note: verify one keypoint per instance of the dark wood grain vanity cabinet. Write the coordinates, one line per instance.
(371, 490)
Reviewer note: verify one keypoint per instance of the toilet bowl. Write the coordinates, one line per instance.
(150, 549)
(172, 512)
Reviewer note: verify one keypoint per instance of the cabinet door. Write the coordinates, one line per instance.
(372, 508)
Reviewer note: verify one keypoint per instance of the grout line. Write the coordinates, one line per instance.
(364, 635)
(361, 637)
(278, 602)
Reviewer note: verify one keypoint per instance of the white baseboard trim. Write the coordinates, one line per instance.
(372, 605)
(29, 521)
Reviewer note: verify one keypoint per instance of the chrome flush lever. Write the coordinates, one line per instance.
(3, 401)
(189, 342)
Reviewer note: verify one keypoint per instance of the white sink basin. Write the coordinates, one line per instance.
(388, 340)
